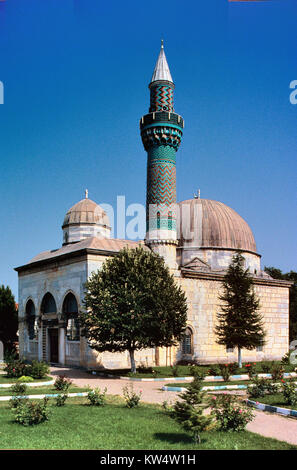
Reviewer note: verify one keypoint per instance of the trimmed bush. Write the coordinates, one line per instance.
(62, 383)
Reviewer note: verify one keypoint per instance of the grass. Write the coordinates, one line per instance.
(11, 380)
(275, 400)
(78, 426)
(184, 370)
(220, 383)
(43, 390)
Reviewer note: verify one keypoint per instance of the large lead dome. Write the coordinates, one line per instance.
(212, 231)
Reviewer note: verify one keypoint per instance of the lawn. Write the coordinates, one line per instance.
(185, 371)
(42, 390)
(220, 383)
(11, 380)
(275, 400)
(115, 427)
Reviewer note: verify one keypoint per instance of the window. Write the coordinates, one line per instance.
(229, 349)
(70, 311)
(158, 220)
(48, 304)
(187, 342)
(31, 320)
(169, 220)
(259, 348)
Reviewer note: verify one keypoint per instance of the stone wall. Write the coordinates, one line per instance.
(203, 304)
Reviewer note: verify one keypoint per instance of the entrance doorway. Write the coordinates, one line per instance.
(54, 345)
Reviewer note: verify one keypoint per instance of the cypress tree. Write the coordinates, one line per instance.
(239, 322)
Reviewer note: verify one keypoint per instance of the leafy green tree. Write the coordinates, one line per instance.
(276, 273)
(133, 303)
(239, 322)
(8, 318)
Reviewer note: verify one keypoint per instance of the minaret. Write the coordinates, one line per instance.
(161, 133)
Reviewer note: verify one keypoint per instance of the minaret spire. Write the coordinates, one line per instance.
(161, 71)
(161, 133)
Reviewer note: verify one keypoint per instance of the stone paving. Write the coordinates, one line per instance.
(266, 424)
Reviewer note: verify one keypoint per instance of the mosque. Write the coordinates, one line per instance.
(196, 237)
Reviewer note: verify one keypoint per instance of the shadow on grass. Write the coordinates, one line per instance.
(174, 438)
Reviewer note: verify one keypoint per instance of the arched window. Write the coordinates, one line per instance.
(158, 220)
(48, 304)
(187, 342)
(170, 220)
(31, 320)
(70, 311)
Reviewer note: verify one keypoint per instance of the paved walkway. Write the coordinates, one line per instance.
(266, 424)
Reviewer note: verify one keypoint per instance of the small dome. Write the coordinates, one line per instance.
(87, 212)
(211, 224)
(85, 219)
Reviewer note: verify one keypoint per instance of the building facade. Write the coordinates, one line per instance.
(197, 238)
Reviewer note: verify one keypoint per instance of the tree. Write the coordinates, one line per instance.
(189, 411)
(8, 318)
(276, 273)
(133, 303)
(239, 322)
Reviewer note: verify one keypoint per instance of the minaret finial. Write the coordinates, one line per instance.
(86, 194)
(162, 44)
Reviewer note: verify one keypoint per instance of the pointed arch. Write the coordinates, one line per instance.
(30, 313)
(70, 313)
(48, 304)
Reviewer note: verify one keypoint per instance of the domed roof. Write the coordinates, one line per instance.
(205, 223)
(87, 212)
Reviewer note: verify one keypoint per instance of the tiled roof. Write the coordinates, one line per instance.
(92, 243)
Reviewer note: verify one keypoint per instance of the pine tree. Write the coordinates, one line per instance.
(189, 411)
(239, 322)
(133, 303)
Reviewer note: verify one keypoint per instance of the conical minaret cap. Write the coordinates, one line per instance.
(161, 71)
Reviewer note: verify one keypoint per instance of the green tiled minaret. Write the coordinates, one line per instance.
(161, 133)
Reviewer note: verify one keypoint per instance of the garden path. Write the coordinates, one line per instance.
(266, 424)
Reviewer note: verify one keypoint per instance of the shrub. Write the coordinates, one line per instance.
(96, 397)
(197, 373)
(214, 370)
(175, 370)
(61, 399)
(290, 393)
(277, 372)
(29, 413)
(225, 371)
(39, 369)
(189, 411)
(16, 367)
(62, 383)
(16, 401)
(230, 414)
(266, 367)
(25, 379)
(132, 398)
(19, 389)
(251, 369)
(144, 369)
(261, 387)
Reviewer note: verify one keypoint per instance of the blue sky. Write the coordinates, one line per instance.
(76, 74)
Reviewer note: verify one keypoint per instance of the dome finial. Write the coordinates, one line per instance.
(86, 194)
